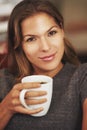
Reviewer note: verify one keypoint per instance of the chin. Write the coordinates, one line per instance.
(50, 67)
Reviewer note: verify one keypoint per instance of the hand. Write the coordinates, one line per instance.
(12, 103)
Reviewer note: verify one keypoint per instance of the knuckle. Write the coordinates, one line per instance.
(35, 85)
(28, 94)
(12, 94)
(13, 102)
(40, 101)
(16, 86)
(41, 93)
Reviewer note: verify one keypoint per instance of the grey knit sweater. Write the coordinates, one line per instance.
(65, 113)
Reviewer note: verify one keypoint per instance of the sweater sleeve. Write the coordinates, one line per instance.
(6, 82)
(82, 81)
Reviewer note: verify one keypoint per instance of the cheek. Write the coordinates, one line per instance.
(30, 50)
(58, 43)
(61, 46)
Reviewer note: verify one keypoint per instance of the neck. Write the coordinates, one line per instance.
(51, 73)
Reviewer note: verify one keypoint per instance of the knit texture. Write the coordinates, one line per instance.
(65, 113)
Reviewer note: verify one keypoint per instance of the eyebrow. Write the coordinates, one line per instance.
(36, 35)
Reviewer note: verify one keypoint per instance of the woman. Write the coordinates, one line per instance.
(37, 45)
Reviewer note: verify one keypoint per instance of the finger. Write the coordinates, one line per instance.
(16, 102)
(23, 110)
(35, 93)
(15, 93)
(34, 101)
(31, 85)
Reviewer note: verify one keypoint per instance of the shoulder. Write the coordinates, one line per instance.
(82, 68)
(5, 76)
(66, 72)
(81, 71)
(5, 72)
(6, 82)
(81, 77)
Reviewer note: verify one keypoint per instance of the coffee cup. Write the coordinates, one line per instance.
(46, 85)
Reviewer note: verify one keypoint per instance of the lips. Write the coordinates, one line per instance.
(48, 57)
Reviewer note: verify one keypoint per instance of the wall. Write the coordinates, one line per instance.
(75, 16)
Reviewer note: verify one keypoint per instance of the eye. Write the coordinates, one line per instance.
(30, 39)
(51, 33)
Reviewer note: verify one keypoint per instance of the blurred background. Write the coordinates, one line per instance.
(75, 17)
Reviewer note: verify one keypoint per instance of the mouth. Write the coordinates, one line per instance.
(48, 57)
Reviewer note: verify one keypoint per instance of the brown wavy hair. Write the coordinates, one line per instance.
(19, 64)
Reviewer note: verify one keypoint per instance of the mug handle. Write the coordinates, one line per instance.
(21, 97)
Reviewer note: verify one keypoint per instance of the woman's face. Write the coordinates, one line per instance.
(43, 43)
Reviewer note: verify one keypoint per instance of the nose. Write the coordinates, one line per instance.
(44, 44)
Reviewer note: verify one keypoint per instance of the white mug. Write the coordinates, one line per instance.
(46, 86)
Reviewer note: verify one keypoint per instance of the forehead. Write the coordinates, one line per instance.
(38, 16)
(38, 22)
